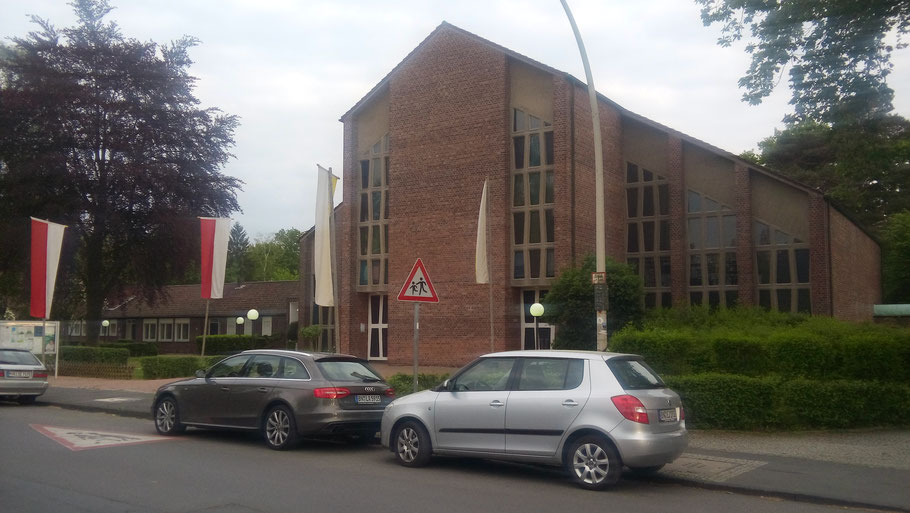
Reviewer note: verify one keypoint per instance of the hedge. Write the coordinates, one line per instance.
(160, 367)
(404, 383)
(94, 355)
(135, 348)
(226, 344)
(725, 401)
(816, 348)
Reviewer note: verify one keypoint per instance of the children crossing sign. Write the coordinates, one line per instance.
(418, 286)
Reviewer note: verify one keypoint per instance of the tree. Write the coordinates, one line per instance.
(276, 257)
(836, 50)
(238, 262)
(864, 166)
(570, 303)
(103, 133)
(896, 261)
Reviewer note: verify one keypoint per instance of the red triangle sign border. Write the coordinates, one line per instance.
(403, 294)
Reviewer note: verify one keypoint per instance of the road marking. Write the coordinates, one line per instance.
(82, 439)
(717, 469)
(118, 399)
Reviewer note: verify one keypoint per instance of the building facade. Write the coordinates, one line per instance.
(178, 317)
(700, 225)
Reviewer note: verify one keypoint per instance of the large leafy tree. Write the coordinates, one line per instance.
(896, 260)
(864, 166)
(276, 257)
(836, 51)
(103, 133)
(570, 303)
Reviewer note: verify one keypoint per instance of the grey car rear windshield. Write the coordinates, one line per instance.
(347, 370)
(634, 374)
(18, 358)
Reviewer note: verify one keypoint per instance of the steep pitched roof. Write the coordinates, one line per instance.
(268, 297)
(445, 26)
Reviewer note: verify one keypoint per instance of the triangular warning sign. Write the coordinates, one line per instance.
(418, 286)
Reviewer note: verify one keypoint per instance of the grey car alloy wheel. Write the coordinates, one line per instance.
(594, 463)
(280, 430)
(167, 422)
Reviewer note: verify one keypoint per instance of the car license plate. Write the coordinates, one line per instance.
(19, 374)
(668, 415)
(367, 399)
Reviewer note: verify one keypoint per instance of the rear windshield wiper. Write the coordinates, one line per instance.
(370, 379)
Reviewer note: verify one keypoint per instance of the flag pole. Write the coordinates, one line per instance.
(489, 272)
(57, 340)
(336, 316)
(43, 328)
(205, 325)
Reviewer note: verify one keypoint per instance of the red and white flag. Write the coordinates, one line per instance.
(215, 234)
(47, 239)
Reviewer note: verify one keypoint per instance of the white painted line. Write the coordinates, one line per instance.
(118, 399)
(82, 439)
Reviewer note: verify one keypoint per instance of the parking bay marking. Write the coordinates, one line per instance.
(717, 469)
(82, 439)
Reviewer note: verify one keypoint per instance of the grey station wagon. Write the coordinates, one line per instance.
(591, 412)
(282, 394)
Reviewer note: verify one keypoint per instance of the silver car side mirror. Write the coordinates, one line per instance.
(200, 373)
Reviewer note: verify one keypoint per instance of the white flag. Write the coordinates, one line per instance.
(481, 269)
(322, 243)
(216, 232)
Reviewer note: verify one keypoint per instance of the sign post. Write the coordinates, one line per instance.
(419, 289)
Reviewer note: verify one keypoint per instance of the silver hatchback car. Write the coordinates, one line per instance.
(591, 412)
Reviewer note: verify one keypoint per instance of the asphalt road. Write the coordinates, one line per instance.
(205, 471)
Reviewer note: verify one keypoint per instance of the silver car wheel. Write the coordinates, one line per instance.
(408, 444)
(591, 464)
(278, 427)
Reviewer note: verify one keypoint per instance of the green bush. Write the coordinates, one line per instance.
(739, 353)
(755, 343)
(135, 348)
(404, 383)
(94, 355)
(226, 344)
(725, 401)
(173, 366)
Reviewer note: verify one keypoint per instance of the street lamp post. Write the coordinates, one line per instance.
(105, 323)
(536, 311)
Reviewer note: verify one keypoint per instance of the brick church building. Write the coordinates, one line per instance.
(699, 224)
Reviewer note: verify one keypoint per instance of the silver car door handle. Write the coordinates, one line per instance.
(225, 389)
(569, 402)
(497, 403)
(263, 389)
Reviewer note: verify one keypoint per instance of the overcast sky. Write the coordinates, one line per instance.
(291, 68)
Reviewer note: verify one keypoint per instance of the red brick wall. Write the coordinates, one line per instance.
(855, 269)
(745, 251)
(449, 130)
(819, 270)
(679, 265)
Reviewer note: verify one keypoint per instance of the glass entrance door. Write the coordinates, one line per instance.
(379, 327)
(545, 332)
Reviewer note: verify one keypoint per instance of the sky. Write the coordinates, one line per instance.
(290, 68)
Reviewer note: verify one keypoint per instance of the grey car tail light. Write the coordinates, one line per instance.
(631, 408)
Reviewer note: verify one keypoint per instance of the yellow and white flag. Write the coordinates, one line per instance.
(322, 244)
(481, 269)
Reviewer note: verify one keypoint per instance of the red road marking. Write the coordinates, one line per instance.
(76, 439)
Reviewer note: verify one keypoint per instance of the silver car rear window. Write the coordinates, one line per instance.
(18, 358)
(634, 374)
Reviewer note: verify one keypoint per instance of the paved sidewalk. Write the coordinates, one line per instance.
(856, 468)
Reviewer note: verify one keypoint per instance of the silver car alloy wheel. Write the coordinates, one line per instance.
(277, 427)
(408, 444)
(590, 463)
(166, 416)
